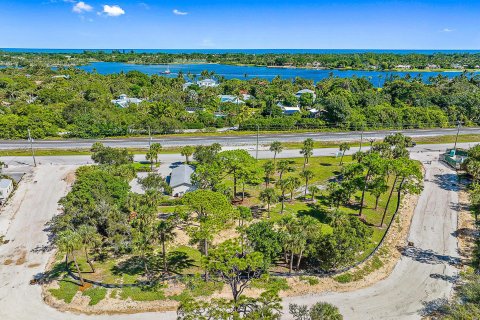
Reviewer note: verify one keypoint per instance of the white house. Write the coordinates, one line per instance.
(186, 85)
(288, 110)
(304, 91)
(205, 83)
(180, 180)
(6, 188)
(123, 101)
(230, 98)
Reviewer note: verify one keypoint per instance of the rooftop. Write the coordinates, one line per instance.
(181, 175)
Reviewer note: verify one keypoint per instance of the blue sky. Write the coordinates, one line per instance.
(213, 24)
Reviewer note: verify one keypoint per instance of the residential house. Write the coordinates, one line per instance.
(186, 85)
(6, 188)
(180, 180)
(207, 83)
(403, 66)
(193, 109)
(304, 91)
(123, 101)
(288, 110)
(224, 98)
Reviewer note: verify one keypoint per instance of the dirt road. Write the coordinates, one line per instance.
(423, 274)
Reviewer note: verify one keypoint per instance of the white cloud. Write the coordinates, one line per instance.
(447, 30)
(179, 13)
(113, 11)
(81, 7)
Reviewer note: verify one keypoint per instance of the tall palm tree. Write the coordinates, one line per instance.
(268, 196)
(89, 238)
(165, 232)
(268, 169)
(68, 241)
(276, 147)
(284, 166)
(307, 175)
(313, 190)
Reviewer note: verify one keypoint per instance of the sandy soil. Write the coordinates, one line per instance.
(466, 232)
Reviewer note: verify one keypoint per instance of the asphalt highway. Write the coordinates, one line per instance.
(229, 140)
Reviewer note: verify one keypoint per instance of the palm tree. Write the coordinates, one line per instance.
(343, 147)
(283, 185)
(89, 238)
(150, 156)
(165, 231)
(268, 196)
(68, 241)
(276, 147)
(307, 151)
(307, 175)
(293, 183)
(313, 190)
(187, 151)
(269, 169)
(284, 166)
(156, 148)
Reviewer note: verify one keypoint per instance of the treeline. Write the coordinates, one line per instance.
(365, 60)
(79, 104)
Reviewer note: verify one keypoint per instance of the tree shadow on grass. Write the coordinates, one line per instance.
(131, 266)
(179, 261)
(315, 211)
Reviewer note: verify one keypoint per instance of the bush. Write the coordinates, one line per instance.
(96, 295)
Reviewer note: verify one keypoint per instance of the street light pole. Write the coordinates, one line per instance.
(256, 153)
(149, 137)
(31, 147)
(456, 137)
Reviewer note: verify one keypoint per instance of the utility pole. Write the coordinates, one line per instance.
(149, 137)
(361, 140)
(256, 153)
(456, 137)
(31, 147)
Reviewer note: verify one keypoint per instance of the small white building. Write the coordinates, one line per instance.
(186, 85)
(304, 91)
(6, 188)
(123, 101)
(207, 83)
(289, 110)
(180, 180)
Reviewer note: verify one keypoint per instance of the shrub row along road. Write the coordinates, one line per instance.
(229, 140)
(423, 274)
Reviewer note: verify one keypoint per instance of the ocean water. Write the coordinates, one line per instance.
(248, 72)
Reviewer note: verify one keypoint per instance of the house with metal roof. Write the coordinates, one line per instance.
(123, 101)
(230, 98)
(289, 110)
(207, 83)
(180, 180)
(304, 91)
(6, 188)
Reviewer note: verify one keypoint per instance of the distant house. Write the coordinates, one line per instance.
(304, 91)
(432, 66)
(6, 188)
(180, 180)
(403, 66)
(288, 110)
(186, 85)
(207, 83)
(193, 109)
(61, 76)
(123, 101)
(230, 98)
